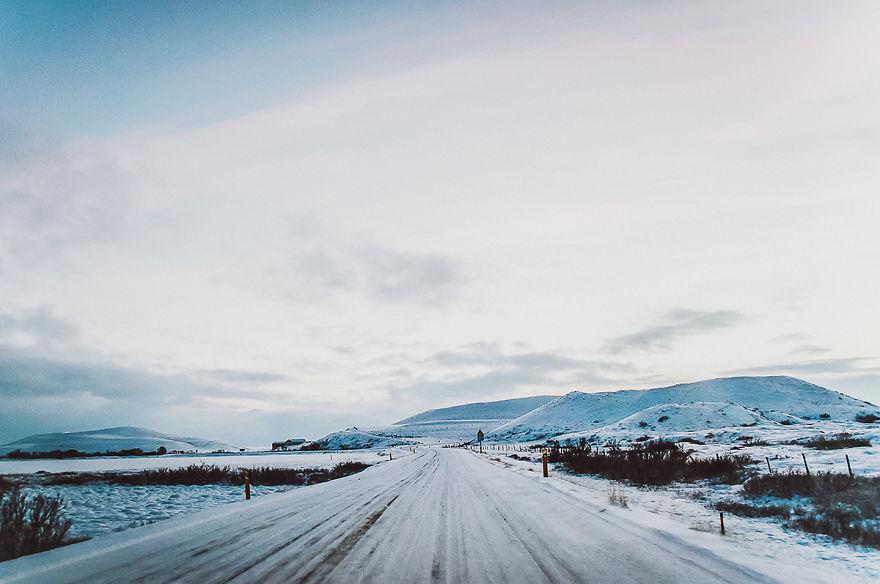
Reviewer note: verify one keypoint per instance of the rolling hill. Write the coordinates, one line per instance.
(507, 409)
(111, 440)
(715, 403)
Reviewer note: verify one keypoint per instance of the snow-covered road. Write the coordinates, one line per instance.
(444, 515)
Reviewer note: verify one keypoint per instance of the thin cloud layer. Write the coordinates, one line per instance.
(51, 203)
(675, 325)
(846, 365)
(373, 215)
(323, 266)
(485, 371)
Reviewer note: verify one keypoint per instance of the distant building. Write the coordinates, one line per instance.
(288, 443)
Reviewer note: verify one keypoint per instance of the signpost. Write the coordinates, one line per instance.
(480, 440)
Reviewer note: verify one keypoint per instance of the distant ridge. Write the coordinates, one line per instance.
(507, 409)
(112, 440)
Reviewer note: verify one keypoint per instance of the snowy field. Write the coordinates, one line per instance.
(96, 509)
(99, 508)
(763, 541)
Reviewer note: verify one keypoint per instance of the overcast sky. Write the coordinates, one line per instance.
(257, 221)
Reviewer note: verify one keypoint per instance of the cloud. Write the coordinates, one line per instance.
(321, 267)
(23, 375)
(425, 278)
(36, 327)
(52, 202)
(229, 376)
(491, 354)
(486, 371)
(674, 325)
(63, 394)
(810, 348)
(318, 271)
(804, 346)
(845, 365)
(50, 381)
(789, 337)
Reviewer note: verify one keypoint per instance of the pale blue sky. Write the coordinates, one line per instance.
(252, 220)
(95, 67)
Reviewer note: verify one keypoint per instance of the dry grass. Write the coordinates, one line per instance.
(845, 507)
(31, 524)
(653, 463)
(836, 442)
(617, 496)
(751, 510)
(209, 474)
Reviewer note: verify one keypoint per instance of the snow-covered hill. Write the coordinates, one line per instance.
(716, 403)
(461, 423)
(353, 439)
(111, 440)
(507, 409)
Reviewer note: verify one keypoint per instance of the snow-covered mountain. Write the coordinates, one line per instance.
(715, 403)
(112, 440)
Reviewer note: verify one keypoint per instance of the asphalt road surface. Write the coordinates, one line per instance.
(440, 515)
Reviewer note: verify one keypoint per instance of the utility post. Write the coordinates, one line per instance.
(480, 439)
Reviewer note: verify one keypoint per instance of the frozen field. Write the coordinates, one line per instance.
(96, 509)
(244, 459)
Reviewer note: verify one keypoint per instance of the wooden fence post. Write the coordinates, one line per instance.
(722, 522)
(247, 486)
(544, 463)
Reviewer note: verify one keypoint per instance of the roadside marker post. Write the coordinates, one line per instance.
(247, 486)
(722, 523)
(848, 466)
(770, 470)
(805, 463)
(544, 462)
